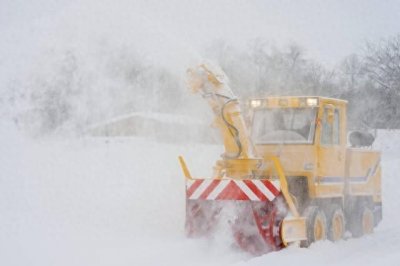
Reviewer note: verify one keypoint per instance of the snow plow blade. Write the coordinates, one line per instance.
(259, 212)
(255, 210)
(259, 217)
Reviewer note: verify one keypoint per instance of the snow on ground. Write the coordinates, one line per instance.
(99, 201)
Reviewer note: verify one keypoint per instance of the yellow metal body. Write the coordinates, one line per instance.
(332, 171)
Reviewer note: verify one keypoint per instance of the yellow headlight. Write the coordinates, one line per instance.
(312, 101)
(255, 103)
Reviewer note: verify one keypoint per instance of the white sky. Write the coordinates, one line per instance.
(328, 30)
(333, 29)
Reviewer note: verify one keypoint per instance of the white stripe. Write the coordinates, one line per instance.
(218, 189)
(264, 189)
(189, 183)
(276, 184)
(196, 194)
(247, 190)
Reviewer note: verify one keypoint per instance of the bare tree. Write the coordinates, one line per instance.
(382, 66)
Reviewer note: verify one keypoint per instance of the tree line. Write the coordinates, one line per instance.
(72, 93)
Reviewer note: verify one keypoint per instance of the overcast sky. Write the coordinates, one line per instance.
(327, 30)
(332, 29)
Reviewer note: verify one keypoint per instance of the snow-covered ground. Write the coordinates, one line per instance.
(99, 201)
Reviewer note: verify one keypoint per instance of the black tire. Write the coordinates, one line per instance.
(336, 223)
(316, 225)
(362, 221)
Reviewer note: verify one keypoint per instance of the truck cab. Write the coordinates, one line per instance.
(309, 135)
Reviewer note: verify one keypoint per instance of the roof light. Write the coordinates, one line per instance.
(255, 103)
(312, 101)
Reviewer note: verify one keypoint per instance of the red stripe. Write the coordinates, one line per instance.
(209, 189)
(193, 187)
(255, 190)
(232, 192)
(271, 187)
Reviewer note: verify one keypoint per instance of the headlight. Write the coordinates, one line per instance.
(312, 101)
(255, 103)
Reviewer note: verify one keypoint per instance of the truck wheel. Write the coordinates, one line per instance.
(316, 225)
(336, 223)
(363, 222)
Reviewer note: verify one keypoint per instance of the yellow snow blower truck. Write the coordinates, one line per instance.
(290, 172)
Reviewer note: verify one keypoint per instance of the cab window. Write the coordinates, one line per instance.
(336, 129)
(330, 134)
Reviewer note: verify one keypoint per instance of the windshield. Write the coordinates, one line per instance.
(284, 125)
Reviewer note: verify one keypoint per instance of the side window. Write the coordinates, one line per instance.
(326, 134)
(336, 128)
(330, 134)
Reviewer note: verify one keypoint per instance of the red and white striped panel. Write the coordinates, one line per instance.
(228, 189)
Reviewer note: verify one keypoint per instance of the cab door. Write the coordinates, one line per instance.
(331, 152)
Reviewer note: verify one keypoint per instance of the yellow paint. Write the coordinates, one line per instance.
(284, 185)
(328, 168)
(293, 229)
(185, 170)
